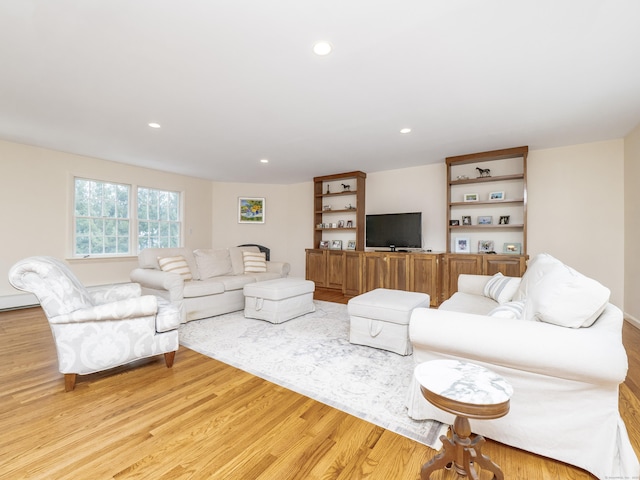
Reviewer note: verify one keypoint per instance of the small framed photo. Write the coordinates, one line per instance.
(324, 244)
(485, 220)
(504, 220)
(351, 245)
(466, 220)
(496, 196)
(250, 210)
(349, 224)
(340, 223)
(462, 245)
(514, 248)
(454, 223)
(336, 245)
(485, 246)
(470, 197)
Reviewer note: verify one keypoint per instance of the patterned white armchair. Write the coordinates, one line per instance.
(101, 328)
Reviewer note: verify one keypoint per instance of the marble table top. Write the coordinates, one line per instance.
(463, 382)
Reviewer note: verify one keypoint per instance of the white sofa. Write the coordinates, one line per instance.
(554, 336)
(210, 284)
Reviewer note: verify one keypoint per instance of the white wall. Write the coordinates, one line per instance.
(576, 209)
(632, 226)
(36, 188)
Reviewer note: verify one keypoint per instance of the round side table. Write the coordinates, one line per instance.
(468, 391)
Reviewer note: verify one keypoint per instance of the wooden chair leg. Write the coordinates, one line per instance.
(70, 381)
(168, 358)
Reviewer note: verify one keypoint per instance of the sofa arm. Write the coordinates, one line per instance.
(113, 293)
(120, 310)
(473, 284)
(281, 268)
(152, 279)
(593, 355)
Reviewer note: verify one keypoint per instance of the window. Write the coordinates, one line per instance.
(158, 218)
(101, 218)
(103, 223)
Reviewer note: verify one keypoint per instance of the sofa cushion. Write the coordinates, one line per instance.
(511, 310)
(566, 298)
(203, 288)
(177, 264)
(537, 267)
(213, 263)
(254, 262)
(235, 282)
(148, 258)
(501, 288)
(469, 303)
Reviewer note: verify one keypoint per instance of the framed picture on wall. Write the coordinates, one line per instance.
(251, 209)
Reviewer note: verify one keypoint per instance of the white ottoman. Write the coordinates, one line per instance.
(278, 300)
(380, 318)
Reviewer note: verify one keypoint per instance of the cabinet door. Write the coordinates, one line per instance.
(316, 266)
(397, 271)
(425, 276)
(508, 265)
(456, 265)
(335, 269)
(375, 271)
(353, 283)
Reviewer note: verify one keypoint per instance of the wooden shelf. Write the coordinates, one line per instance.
(500, 178)
(346, 210)
(485, 202)
(334, 229)
(488, 227)
(337, 194)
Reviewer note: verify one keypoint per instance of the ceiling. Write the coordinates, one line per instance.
(232, 82)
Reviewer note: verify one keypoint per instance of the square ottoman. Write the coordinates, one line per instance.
(278, 300)
(380, 318)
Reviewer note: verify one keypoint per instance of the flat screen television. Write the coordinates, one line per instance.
(394, 230)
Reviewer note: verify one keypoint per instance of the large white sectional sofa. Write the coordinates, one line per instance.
(210, 284)
(555, 337)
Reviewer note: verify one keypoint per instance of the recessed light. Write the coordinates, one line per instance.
(405, 130)
(154, 125)
(264, 160)
(322, 48)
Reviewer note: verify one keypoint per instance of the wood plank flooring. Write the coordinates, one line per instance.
(203, 419)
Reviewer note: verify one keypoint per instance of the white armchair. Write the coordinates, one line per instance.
(101, 328)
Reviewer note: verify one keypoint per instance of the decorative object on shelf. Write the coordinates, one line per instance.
(483, 172)
(326, 208)
(320, 225)
(334, 225)
(324, 244)
(515, 248)
(340, 223)
(462, 245)
(470, 197)
(485, 220)
(251, 209)
(454, 223)
(351, 245)
(349, 207)
(349, 223)
(496, 196)
(346, 187)
(336, 245)
(504, 220)
(466, 220)
(485, 246)
(328, 190)
(462, 177)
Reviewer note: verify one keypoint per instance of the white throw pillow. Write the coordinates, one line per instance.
(213, 263)
(510, 310)
(537, 267)
(177, 264)
(566, 298)
(254, 262)
(501, 288)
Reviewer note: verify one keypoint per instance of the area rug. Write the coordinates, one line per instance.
(312, 355)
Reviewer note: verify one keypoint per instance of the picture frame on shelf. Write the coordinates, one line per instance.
(466, 220)
(351, 245)
(251, 209)
(454, 223)
(471, 197)
(513, 248)
(324, 244)
(486, 246)
(504, 220)
(496, 196)
(336, 245)
(485, 220)
(349, 224)
(340, 223)
(462, 245)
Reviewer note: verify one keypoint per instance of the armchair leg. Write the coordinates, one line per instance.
(70, 381)
(168, 358)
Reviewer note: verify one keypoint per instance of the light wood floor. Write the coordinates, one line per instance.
(203, 419)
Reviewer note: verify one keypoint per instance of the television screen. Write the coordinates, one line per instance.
(394, 230)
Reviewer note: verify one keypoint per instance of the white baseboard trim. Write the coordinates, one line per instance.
(20, 300)
(632, 320)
